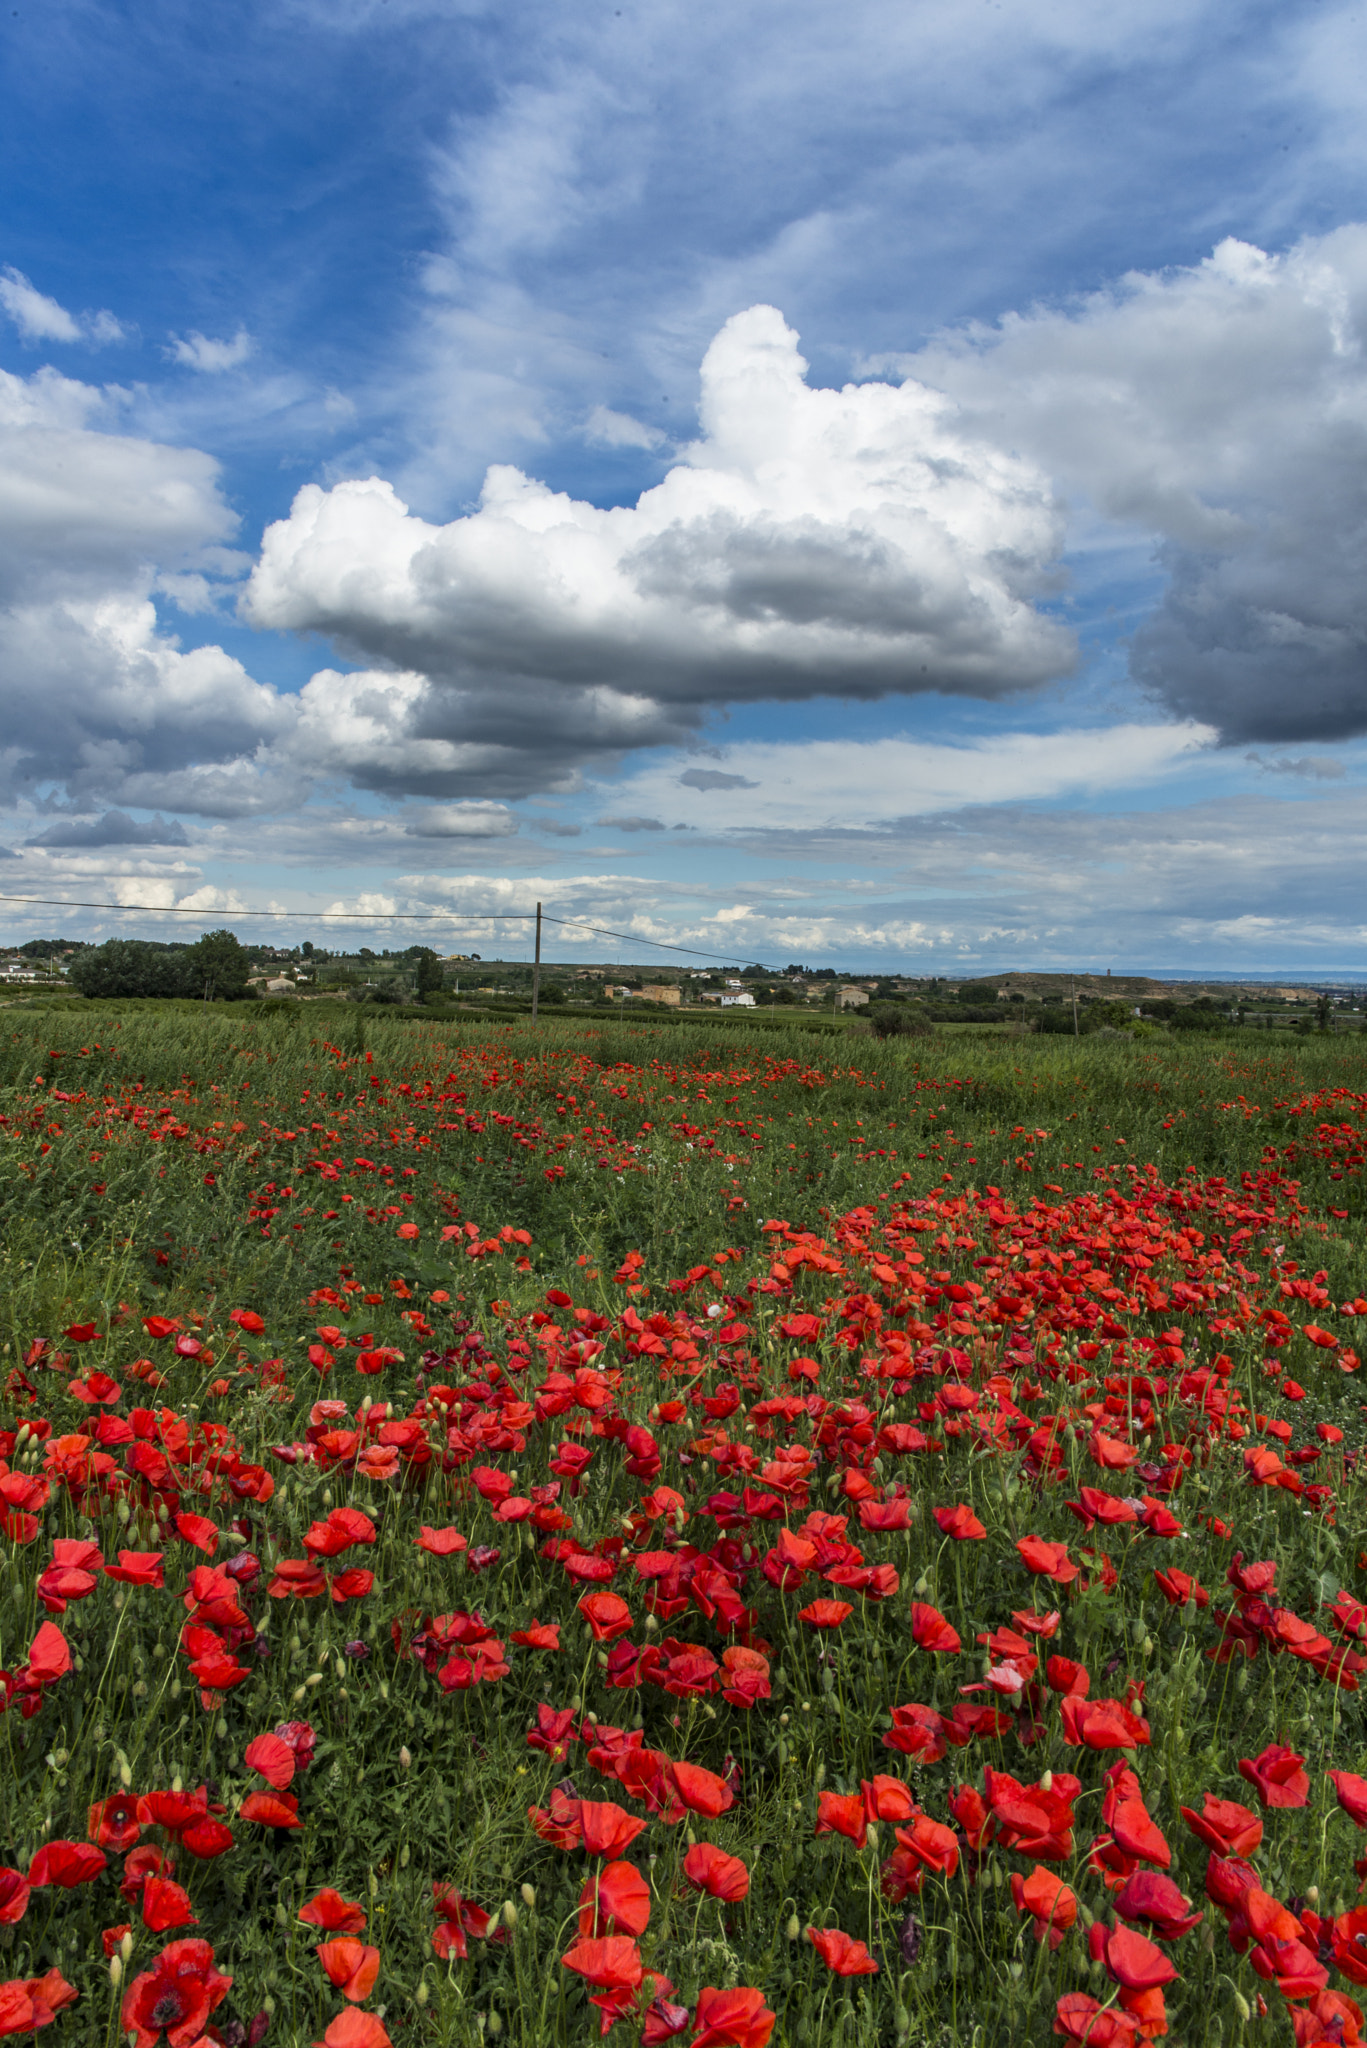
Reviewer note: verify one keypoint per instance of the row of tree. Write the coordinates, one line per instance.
(213, 970)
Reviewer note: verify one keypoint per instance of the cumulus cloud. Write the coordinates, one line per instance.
(40, 318)
(463, 821)
(196, 351)
(631, 824)
(1222, 410)
(811, 541)
(115, 828)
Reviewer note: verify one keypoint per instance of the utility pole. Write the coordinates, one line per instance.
(536, 965)
(1073, 986)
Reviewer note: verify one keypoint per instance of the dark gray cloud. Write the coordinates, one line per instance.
(115, 828)
(714, 778)
(632, 824)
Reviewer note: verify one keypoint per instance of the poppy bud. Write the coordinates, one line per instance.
(1242, 2007)
(405, 1757)
(300, 1692)
(1046, 1783)
(116, 1971)
(126, 1946)
(177, 1783)
(314, 1678)
(1313, 1895)
(691, 1838)
(125, 1771)
(794, 1928)
(528, 1895)
(495, 2023)
(282, 1918)
(420, 1996)
(509, 1914)
(125, 1513)
(403, 1857)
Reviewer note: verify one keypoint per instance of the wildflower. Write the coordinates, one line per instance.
(841, 1954)
(825, 1614)
(1133, 1962)
(1155, 1899)
(457, 1918)
(959, 1523)
(731, 2019)
(271, 1809)
(27, 2003)
(1051, 1903)
(607, 1615)
(842, 1813)
(14, 1897)
(332, 1913)
(441, 1542)
(353, 2029)
(1225, 1826)
(165, 1905)
(616, 1901)
(113, 1822)
(66, 1864)
(1351, 1793)
(350, 1965)
(702, 1791)
(272, 1756)
(1079, 2017)
(1047, 1560)
(930, 1630)
(1102, 1724)
(176, 1996)
(1277, 1776)
(711, 1870)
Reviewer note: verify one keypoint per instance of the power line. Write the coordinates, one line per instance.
(378, 917)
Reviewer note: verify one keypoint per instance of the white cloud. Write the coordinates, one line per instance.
(607, 429)
(463, 821)
(858, 785)
(854, 541)
(40, 318)
(1222, 409)
(196, 351)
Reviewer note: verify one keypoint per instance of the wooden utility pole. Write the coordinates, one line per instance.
(1073, 986)
(536, 965)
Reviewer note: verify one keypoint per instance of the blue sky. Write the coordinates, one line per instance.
(878, 486)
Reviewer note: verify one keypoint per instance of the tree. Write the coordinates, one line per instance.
(428, 979)
(218, 966)
(553, 992)
(131, 967)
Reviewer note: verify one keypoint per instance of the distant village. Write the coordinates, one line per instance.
(418, 974)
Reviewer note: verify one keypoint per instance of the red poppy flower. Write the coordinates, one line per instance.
(457, 1918)
(745, 1676)
(825, 1613)
(350, 1965)
(49, 1655)
(538, 1635)
(1047, 1560)
(66, 1864)
(27, 2003)
(176, 1996)
(959, 1523)
(139, 1865)
(616, 1901)
(272, 1756)
(113, 1822)
(1101, 1724)
(441, 1542)
(301, 1739)
(930, 1630)
(353, 2029)
(328, 1910)
(271, 1809)
(1179, 1587)
(111, 1938)
(1079, 2017)
(207, 1838)
(842, 1813)
(917, 1731)
(841, 1954)
(712, 1871)
(14, 1897)
(1277, 1776)
(1147, 1896)
(607, 1829)
(1067, 1677)
(612, 1962)
(1225, 1826)
(607, 1615)
(138, 1568)
(1051, 1903)
(166, 1905)
(886, 1798)
(930, 1845)
(1132, 1961)
(701, 1791)
(731, 2019)
(1137, 1833)
(1351, 1792)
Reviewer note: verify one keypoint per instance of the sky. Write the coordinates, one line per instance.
(872, 487)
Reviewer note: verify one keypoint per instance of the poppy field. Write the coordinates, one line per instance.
(554, 1534)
